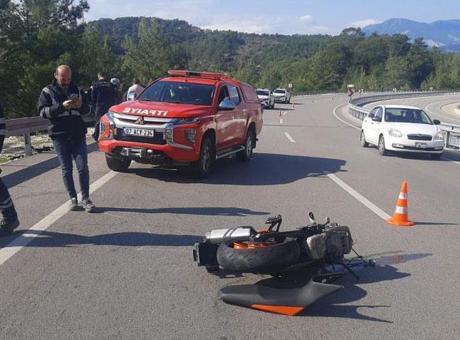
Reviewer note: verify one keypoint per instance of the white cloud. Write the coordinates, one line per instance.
(365, 22)
(200, 13)
(189, 10)
(260, 25)
(307, 19)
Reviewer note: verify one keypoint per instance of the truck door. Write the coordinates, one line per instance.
(239, 115)
(224, 121)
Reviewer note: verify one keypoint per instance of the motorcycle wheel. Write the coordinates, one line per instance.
(257, 258)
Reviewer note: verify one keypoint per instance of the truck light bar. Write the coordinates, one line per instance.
(207, 75)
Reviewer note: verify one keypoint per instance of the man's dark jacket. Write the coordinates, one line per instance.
(63, 123)
(103, 96)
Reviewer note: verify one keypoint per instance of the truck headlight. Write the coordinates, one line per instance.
(439, 136)
(395, 133)
(107, 127)
(189, 133)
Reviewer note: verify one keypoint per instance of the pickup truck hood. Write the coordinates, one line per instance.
(158, 109)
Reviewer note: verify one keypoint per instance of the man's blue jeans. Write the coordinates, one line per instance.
(66, 150)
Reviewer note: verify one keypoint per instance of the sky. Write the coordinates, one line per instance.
(278, 16)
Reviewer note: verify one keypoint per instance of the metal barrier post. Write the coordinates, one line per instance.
(28, 143)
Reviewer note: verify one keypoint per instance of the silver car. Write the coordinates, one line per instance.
(266, 98)
(282, 96)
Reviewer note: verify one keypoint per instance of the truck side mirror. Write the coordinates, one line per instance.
(227, 104)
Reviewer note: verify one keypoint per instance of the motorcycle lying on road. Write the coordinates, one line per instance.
(317, 248)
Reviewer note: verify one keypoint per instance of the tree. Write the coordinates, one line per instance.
(150, 57)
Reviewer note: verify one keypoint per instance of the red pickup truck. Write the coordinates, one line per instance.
(188, 118)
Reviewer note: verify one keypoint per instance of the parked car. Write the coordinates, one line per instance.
(187, 118)
(266, 98)
(402, 129)
(282, 96)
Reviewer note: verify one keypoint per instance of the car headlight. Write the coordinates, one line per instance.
(439, 136)
(395, 133)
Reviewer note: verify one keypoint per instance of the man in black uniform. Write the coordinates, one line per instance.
(10, 218)
(103, 96)
(61, 103)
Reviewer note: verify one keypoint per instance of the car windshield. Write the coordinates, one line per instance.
(181, 93)
(404, 115)
(279, 91)
(263, 92)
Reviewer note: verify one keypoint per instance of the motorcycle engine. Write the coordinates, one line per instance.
(333, 243)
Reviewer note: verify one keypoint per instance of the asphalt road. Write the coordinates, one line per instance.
(127, 271)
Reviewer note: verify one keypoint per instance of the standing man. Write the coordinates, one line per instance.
(10, 218)
(103, 96)
(135, 90)
(61, 103)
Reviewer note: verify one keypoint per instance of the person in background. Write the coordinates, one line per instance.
(61, 103)
(135, 90)
(118, 91)
(10, 221)
(103, 96)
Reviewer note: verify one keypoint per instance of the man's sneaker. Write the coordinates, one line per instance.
(88, 205)
(8, 225)
(74, 204)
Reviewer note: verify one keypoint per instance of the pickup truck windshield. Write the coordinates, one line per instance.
(180, 93)
(279, 91)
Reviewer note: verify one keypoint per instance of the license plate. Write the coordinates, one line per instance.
(420, 145)
(139, 132)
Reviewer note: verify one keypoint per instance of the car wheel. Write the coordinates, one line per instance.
(362, 139)
(382, 149)
(202, 167)
(264, 259)
(246, 154)
(117, 163)
(436, 155)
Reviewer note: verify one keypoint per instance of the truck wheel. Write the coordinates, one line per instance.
(202, 167)
(264, 259)
(246, 154)
(117, 163)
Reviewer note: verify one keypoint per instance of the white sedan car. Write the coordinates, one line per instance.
(402, 128)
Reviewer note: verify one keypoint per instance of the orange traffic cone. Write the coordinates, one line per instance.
(401, 215)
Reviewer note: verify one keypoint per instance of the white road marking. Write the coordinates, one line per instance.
(371, 206)
(288, 136)
(21, 241)
(343, 121)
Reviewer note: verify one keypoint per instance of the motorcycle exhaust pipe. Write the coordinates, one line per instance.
(230, 235)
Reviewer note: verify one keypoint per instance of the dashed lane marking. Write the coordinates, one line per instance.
(21, 241)
(288, 136)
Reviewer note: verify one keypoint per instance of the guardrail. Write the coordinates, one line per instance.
(29, 125)
(25, 127)
(452, 131)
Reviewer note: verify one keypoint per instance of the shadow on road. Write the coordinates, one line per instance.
(341, 303)
(264, 169)
(334, 305)
(126, 239)
(206, 211)
(29, 172)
